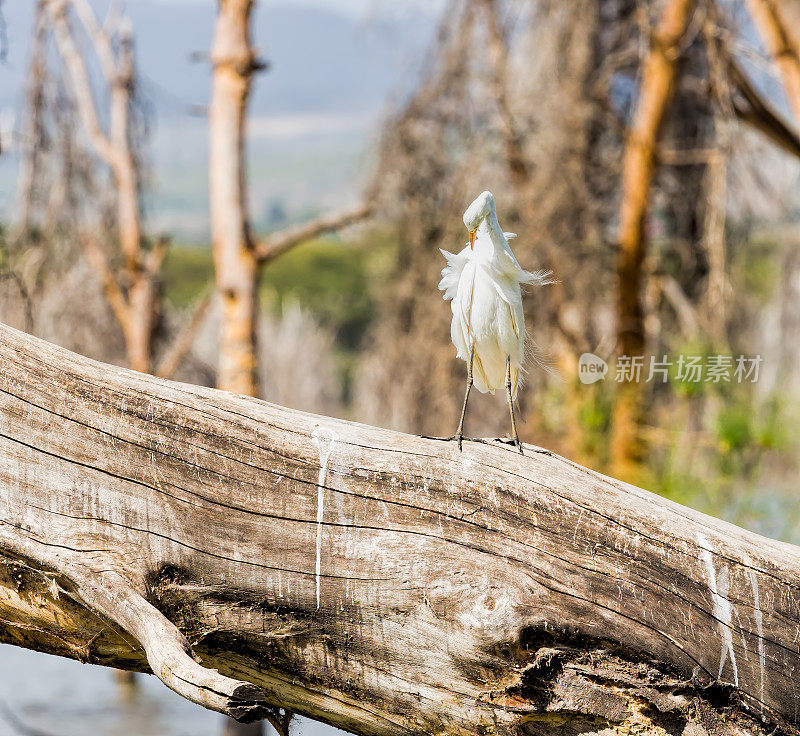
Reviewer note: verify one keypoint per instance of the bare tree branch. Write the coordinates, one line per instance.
(116, 298)
(751, 107)
(280, 720)
(183, 342)
(155, 256)
(279, 243)
(688, 317)
(79, 77)
(100, 38)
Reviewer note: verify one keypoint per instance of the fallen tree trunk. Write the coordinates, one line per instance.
(377, 581)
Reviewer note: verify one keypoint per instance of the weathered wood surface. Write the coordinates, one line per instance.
(378, 581)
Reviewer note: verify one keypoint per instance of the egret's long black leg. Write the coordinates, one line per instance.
(459, 435)
(511, 405)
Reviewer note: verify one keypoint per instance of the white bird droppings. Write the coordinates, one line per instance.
(757, 615)
(718, 585)
(324, 439)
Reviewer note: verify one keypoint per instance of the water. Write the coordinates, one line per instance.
(60, 697)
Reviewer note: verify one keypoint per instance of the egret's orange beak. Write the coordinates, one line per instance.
(472, 239)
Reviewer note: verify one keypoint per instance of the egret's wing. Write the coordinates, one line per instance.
(509, 264)
(513, 340)
(509, 292)
(451, 273)
(510, 331)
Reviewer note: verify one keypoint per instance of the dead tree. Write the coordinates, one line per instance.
(238, 259)
(659, 73)
(131, 288)
(733, 94)
(53, 189)
(253, 556)
(276, 244)
(235, 261)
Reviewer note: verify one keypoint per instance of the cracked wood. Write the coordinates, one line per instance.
(377, 581)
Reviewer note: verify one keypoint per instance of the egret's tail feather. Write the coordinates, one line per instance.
(542, 358)
(538, 278)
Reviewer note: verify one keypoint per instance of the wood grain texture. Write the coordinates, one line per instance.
(381, 582)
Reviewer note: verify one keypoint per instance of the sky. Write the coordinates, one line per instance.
(342, 56)
(362, 8)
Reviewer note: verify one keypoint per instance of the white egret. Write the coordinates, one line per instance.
(483, 282)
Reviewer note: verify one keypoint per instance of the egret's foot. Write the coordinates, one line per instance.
(457, 437)
(512, 441)
(460, 438)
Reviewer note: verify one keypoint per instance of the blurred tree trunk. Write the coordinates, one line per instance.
(513, 140)
(131, 291)
(639, 164)
(31, 133)
(235, 260)
(777, 21)
(141, 287)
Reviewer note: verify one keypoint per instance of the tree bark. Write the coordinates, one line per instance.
(638, 169)
(251, 555)
(234, 255)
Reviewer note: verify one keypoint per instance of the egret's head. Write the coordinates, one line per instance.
(480, 209)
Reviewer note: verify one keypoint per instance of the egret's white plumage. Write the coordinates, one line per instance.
(484, 285)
